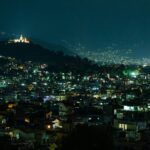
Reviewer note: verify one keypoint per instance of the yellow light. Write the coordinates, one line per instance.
(21, 40)
(10, 106)
(96, 96)
(11, 134)
(123, 126)
(27, 120)
(48, 126)
(21, 67)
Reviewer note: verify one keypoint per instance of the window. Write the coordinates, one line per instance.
(123, 126)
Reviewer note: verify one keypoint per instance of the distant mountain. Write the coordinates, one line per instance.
(137, 49)
(57, 60)
(53, 47)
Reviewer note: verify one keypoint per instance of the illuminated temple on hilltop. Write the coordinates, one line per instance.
(22, 39)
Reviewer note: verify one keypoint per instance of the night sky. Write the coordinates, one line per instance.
(90, 22)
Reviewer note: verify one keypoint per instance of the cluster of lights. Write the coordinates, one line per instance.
(110, 55)
(20, 40)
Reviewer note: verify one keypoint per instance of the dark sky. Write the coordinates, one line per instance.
(90, 22)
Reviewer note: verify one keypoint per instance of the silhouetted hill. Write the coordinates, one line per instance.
(56, 59)
(53, 47)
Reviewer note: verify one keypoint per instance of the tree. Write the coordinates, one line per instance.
(88, 138)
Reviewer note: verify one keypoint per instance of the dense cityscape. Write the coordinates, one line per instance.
(110, 55)
(39, 108)
(74, 74)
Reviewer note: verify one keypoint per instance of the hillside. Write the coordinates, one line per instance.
(57, 60)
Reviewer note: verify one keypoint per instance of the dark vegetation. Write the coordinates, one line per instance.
(57, 60)
(89, 138)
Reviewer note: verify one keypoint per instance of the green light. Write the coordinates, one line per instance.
(131, 73)
(134, 73)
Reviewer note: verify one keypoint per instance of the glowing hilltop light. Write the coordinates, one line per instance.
(22, 39)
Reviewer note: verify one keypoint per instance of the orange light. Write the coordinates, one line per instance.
(48, 126)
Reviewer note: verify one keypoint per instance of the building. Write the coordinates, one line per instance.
(22, 39)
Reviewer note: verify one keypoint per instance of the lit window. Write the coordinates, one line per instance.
(123, 126)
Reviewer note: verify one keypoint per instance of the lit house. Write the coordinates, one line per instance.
(132, 118)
